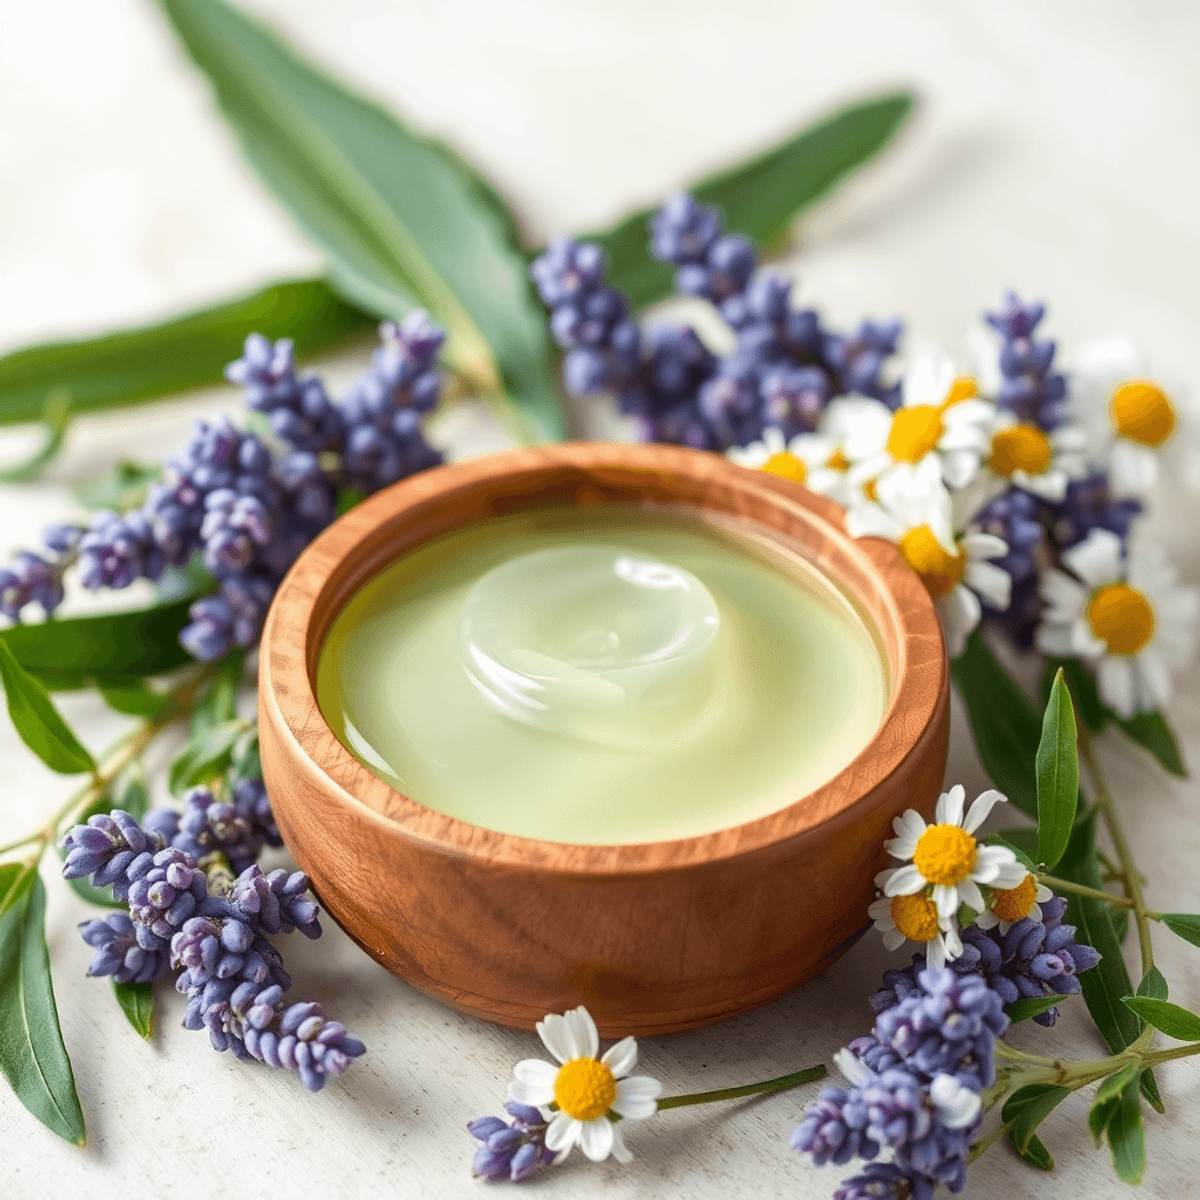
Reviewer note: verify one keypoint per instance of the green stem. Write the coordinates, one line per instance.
(1108, 810)
(1157, 1056)
(986, 1143)
(749, 1089)
(1079, 889)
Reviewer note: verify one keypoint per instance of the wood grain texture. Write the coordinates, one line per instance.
(652, 937)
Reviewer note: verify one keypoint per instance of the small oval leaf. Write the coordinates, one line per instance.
(1171, 1019)
(137, 1003)
(1031, 1006)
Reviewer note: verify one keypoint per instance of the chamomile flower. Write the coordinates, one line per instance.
(914, 918)
(944, 861)
(913, 509)
(1133, 417)
(809, 458)
(1007, 906)
(1026, 456)
(1127, 615)
(942, 415)
(577, 1096)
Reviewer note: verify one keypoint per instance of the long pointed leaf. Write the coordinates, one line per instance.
(32, 1055)
(763, 196)
(1057, 775)
(38, 722)
(400, 227)
(182, 352)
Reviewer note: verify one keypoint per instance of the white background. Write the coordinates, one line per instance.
(1056, 150)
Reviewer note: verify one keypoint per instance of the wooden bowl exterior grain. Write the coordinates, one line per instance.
(651, 937)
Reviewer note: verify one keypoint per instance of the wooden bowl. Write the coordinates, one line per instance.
(651, 937)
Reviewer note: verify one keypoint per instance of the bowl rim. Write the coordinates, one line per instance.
(319, 584)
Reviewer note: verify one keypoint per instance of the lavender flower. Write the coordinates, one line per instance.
(830, 1133)
(513, 1150)
(884, 1181)
(208, 825)
(1030, 387)
(1089, 505)
(117, 950)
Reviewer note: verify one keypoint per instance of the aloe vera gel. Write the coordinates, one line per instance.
(602, 674)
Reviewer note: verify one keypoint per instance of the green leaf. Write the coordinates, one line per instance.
(121, 488)
(1022, 842)
(1031, 1006)
(173, 356)
(1057, 775)
(37, 720)
(1035, 1153)
(137, 1003)
(1082, 685)
(1186, 925)
(763, 196)
(1172, 1019)
(1154, 985)
(110, 649)
(1120, 924)
(204, 755)
(1126, 1137)
(135, 798)
(1027, 1108)
(15, 880)
(1151, 732)
(219, 702)
(1113, 1085)
(400, 228)
(56, 416)
(135, 698)
(1003, 721)
(32, 1055)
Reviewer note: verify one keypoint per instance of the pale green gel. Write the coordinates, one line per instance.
(602, 675)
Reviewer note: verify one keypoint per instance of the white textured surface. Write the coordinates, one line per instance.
(1057, 150)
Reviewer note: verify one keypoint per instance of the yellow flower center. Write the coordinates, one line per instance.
(584, 1089)
(963, 388)
(1142, 413)
(915, 917)
(1011, 904)
(915, 431)
(838, 461)
(1121, 617)
(788, 466)
(1020, 448)
(945, 854)
(939, 570)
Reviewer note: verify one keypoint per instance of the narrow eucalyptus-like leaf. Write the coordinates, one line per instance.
(1035, 1153)
(1004, 723)
(121, 488)
(1154, 985)
(1101, 1113)
(56, 416)
(1031, 1006)
(400, 228)
(135, 698)
(204, 755)
(1171, 1019)
(15, 880)
(1082, 685)
(1112, 1086)
(111, 649)
(1126, 1137)
(1057, 775)
(762, 196)
(175, 355)
(1027, 1108)
(1185, 925)
(38, 722)
(137, 1003)
(1151, 732)
(32, 1055)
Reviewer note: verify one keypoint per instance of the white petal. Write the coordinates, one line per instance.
(935, 953)
(991, 582)
(1008, 875)
(881, 911)
(1084, 642)
(969, 893)
(953, 943)
(959, 466)
(950, 806)
(984, 545)
(619, 1150)
(753, 456)
(1151, 669)
(637, 1097)
(910, 823)
(1065, 597)
(596, 1139)
(556, 1037)
(958, 1105)
(851, 1066)
(621, 1057)
(990, 861)
(1097, 559)
(1133, 469)
(945, 898)
(1114, 678)
(563, 1132)
(583, 1032)
(871, 520)
(883, 876)
(904, 846)
(1054, 640)
(893, 939)
(1043, 893)
(983, 804)
(961, 613)
(907, 881)
(534, 1079)
(987, 919)
(1050, 485)
(927, 377)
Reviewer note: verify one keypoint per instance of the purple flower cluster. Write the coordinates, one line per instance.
(510, 1149)
(784, 369)
(239, 828)
(1034, 958)
(227, 500)
(915, 1090)
(1029, 387)
(231, 972)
